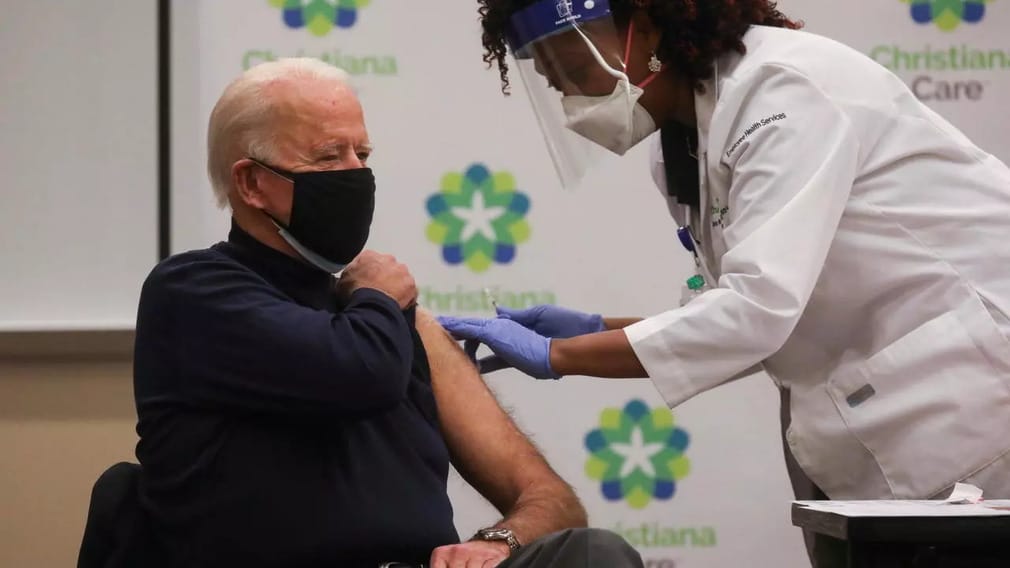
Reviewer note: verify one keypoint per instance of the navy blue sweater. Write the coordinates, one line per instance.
(278, 428)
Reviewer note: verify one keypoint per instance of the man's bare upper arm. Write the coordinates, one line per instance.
(486, 447)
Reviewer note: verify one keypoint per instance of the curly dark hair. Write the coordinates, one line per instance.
(694, 32)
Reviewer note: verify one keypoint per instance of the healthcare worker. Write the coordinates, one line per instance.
(849, 241)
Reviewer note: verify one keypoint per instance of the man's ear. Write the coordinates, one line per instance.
(245, 176)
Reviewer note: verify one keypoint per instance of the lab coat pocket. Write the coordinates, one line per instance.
(932, 407)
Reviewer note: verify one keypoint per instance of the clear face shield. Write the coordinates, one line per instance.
(572, 61)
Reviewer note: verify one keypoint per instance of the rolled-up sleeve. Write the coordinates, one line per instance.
(790, 181)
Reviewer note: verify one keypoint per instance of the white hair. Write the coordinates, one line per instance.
(241, 122)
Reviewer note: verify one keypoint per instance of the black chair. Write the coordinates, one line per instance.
(117, 532)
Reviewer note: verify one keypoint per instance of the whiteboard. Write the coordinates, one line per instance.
(78, 220)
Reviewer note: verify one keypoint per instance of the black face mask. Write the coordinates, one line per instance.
(331, 213)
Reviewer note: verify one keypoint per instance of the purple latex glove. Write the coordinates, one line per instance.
(511, 343)
(555, 321)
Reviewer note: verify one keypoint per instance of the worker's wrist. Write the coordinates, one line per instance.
(558, 356)
(610, 324)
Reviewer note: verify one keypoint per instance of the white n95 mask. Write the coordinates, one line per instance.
(616, 121)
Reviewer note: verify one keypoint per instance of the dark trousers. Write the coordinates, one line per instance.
(824, 552)
(576, 548)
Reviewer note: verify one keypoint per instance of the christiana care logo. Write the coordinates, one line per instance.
(938, 71)
(477, 218)
(947, 14)
(637, 454)
(319, 16)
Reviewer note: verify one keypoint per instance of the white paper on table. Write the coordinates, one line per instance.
(964, 493)
(902, 508)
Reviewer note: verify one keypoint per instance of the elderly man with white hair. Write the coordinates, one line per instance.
(288, 418)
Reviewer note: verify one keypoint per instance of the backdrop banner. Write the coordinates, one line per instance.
(469, 199)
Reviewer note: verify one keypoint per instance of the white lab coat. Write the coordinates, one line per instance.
(861, 250)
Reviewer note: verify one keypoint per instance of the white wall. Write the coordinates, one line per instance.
(77, 150)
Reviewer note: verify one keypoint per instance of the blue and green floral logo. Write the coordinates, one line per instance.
(478, 217)
(947, 14)
(319, 16)
(637, 454)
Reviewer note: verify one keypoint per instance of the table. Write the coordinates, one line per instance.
(919, 534)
